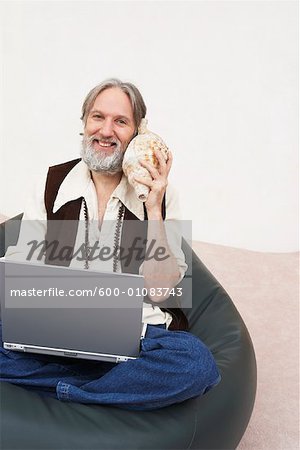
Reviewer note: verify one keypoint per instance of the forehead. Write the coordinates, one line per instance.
(113, 101)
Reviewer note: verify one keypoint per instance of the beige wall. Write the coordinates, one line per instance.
(220, 81)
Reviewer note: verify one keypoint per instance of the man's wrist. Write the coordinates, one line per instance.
(154, 214)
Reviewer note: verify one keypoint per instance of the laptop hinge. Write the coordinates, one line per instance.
(121, 359)
(144, 330)
(9, 346)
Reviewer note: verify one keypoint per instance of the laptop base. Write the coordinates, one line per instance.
(66, 353)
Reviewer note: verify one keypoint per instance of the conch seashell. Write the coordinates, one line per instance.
(142, 147)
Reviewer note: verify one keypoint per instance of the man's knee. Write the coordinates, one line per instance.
(203, 369)
(185, 358)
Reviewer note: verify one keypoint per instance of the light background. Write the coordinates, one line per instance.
(220, 80)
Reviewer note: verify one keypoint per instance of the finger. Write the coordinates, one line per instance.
(169, 162)
(155, 186)
(151, 169)
(161, 162)
(144, 181)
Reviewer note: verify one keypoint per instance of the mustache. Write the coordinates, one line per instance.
(89, 139)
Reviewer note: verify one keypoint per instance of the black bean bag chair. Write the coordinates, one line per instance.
(216, 420)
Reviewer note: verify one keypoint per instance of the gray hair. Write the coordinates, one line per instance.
(134, 95)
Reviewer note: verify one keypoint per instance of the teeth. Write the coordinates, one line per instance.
(105, 144)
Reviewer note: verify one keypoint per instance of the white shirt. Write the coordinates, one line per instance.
(78, 183)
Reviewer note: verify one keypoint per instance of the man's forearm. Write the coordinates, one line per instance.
(160, 271)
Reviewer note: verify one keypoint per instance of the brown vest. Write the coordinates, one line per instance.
(63, 224)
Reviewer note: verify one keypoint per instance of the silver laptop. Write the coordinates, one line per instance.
(71, 312)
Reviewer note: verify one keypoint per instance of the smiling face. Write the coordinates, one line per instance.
(108, 130)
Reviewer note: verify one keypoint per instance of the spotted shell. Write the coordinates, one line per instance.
(142, 147)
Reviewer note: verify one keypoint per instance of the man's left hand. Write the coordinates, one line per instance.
(157, 185)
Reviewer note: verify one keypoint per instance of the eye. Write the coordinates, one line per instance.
(122, 121)
(97, 116)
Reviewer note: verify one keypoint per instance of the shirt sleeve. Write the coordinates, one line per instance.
(173, 230)
(33, 226)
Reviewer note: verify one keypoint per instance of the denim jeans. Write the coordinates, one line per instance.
(173, 366)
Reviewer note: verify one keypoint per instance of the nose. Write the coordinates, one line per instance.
(107, 128)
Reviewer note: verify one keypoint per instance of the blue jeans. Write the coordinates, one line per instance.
(173, 366)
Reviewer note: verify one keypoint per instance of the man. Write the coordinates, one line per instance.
(173, 365)
(110, 122)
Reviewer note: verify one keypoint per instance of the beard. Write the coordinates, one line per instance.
(99, 161)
